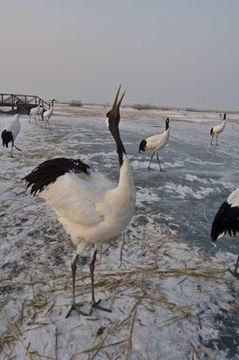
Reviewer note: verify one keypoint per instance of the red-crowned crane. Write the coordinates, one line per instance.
(155, 143)
(88, 205)
(217, 129)
(34, 112)
(10, 132)
(227, 220)
(48, 113)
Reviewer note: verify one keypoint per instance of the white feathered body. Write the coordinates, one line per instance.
(233, 199)
(34, 111)
(157, 142)
(13, 126)
(48, 113)
(40, 110)
(219, 128)
(89, 208)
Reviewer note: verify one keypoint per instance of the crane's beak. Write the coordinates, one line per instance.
(115, 104)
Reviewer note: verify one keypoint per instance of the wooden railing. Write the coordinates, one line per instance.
(21, 103)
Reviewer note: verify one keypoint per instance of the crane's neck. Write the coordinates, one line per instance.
(223, 124)
(119, 145)
(126, 185)
(126, 182)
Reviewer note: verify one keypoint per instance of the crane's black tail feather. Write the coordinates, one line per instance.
(226, 220)
(48, 171)
(6, 137)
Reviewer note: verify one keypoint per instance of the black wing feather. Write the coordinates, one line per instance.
(226, 220)
(48, 171)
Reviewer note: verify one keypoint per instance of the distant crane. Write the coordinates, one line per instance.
(216, 130)
(34, 112)
(155, 143)
(48, 113)
(10, 133)
(88, 205)
(227, 220)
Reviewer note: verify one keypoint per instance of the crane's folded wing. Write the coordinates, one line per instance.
(77, 199)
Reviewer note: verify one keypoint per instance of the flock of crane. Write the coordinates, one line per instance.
(41, 113)
(91, 209)
(11, 130)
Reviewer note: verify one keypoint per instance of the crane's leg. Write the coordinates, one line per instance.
(12, 151)
(16, 147)
(234, 273)
(212, 139)
(94, 304)
(74, 306)
(216, 139)
(151, 160)
(159, 163)
(48, 125)
(236, 266)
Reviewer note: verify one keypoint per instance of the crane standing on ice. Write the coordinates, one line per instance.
(155, 143)
(10, 133)
(34, 112)
(227, 219)
(88, 205)
(216, 130)
(47, 114)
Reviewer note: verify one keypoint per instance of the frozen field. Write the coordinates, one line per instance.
(171, 294)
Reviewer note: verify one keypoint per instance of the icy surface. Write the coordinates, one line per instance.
(171, 294)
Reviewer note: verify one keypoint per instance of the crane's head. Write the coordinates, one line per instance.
(113, 116)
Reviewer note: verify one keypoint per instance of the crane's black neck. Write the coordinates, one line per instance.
(119, 145)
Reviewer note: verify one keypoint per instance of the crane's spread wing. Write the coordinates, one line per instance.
(72, 189)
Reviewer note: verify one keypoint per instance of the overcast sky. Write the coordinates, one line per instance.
(164, 52)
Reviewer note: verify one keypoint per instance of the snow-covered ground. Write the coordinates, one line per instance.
(170, 292)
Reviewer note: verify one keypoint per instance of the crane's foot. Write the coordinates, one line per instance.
(162, 170)
(77, 308)
(96, 305)
(234, 273)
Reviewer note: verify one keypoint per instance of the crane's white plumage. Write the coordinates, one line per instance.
(227, 220)
(155, 143)
(34, 112)
(88, 205)
(46, 115)
(40, 111)
(10, 132)
(91, 209)
(216, 130)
